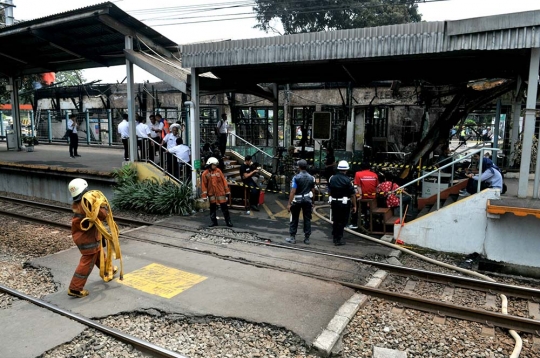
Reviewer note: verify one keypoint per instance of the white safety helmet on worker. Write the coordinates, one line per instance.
(77, 187)
(212, 160)
(343, 165)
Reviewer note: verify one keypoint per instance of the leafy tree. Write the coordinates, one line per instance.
(70, 78)
(299, 16)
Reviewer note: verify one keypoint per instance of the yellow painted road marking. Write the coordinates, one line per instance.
(268, 212)
(161, 280)
(281, 205)
(285, 214)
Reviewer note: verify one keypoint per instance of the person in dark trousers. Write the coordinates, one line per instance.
(73, 136)
(329, 163)
(301, 198)
(222, 129)
(342, 194)
(246, 173)
(123, 131)
(216, 189)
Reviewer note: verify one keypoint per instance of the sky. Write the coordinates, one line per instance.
(161, 15)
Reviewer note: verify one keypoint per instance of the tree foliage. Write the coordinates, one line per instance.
(299, 16)
(70, 78)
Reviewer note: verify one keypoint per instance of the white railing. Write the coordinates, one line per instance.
(438, 171)
(267, 158)
(183, 175)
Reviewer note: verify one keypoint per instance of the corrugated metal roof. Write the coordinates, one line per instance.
(92, 36)
(500, 32)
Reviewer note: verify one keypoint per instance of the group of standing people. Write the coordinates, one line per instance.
(157, 139)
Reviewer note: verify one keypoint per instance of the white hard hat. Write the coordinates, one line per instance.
(343, 165)
(212, 160)
(77, 187)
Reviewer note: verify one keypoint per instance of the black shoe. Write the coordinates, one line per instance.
(339, 243)
(229, 224)
(77, 155)
(306, 240)
(254, 208)
(213, 224)
(71, 156)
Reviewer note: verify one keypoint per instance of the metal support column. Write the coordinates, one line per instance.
(195, 129)
(49, 125)
(516, 114)
(496, 130)
(286, 120)
(131, 104)
(528, 128)
(87, 120)
(110, 125)
(275, 126)
(15, 112)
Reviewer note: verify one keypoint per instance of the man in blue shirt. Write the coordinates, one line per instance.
(301, 198)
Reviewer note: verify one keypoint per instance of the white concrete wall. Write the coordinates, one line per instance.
(459, 227)
(514, 240)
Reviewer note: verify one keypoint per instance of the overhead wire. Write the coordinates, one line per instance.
(299, 8)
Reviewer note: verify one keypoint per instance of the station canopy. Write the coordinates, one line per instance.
(442, 52)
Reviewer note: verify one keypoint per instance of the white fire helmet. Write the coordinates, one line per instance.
(343, 165)
(77, 187)
(212, 160)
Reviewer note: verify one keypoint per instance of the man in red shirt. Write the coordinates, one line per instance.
(366, 183)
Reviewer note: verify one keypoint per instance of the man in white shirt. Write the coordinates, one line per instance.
(156, 129)
(123, 132)
(182, 152)
(143, 132)
(73, 136)
(170, 141)
(222, 128)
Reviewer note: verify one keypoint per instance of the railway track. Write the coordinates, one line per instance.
(54, 215)
(139, 344)
(407, 298)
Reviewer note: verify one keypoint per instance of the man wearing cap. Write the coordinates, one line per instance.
(342, 194)
(301, 198)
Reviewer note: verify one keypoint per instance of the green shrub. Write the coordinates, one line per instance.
(150, 196)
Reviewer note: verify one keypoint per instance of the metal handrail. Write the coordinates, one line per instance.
(251, 145)
(438, 170)
(164, 162)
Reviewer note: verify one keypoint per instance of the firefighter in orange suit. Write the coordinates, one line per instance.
(88, 242)
(216, 189)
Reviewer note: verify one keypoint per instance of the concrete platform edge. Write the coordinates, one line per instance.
(329, 336)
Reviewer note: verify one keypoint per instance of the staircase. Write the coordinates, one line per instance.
(232, 167)
(447, 197)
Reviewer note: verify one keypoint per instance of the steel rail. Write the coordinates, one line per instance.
(459, 281)
(418, 303)
(118, 219)
(124, 337)
(445, 309)
(497, 319)
(34, 219)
